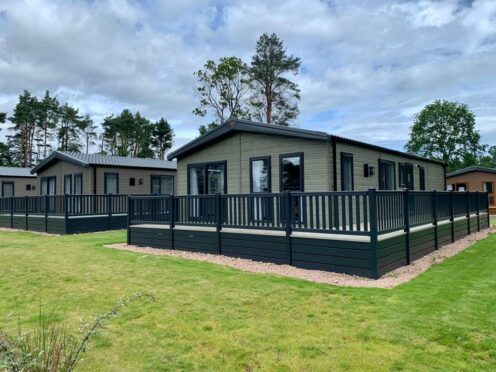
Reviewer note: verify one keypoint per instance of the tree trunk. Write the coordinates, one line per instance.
(269, 105)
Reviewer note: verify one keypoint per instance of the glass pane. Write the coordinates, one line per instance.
(291, 173)
(347, 173)
(196, 180)
(67, 185)
(111, 180)
(51, 186)
(78, 184)
(215, 176)
(260, 175)
(167, 186)
(44, 186)
(155, 185)
(8, 189)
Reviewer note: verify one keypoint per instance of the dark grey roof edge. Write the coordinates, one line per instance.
(385, 149)
(16, 172)
(57, 155)
(233, 125)
(472, 168)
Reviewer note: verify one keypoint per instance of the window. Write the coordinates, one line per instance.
(387, 175)
(422, 178)
(28, 187)
(209, 178)
(111, 183)
(461, 187)
(132, 181)
(78, 183)
(162, 184)
(48, 185)
(346, 172)
(406, 175)
(488, 186)
(291, 172)
(260, 176)
(8, 189)
(449, 187)
(68, 184)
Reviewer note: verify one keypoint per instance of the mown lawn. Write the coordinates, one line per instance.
(217, 318)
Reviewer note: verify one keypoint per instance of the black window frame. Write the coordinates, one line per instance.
(74, 183)
(343, 155)
(485, 188)
(47, 179)
(29, 187)
(68, 177)
(268, 158)
(421, 178)
(403, 181)
(105, 181)
(132, 181)
(302, 170)
(159, 176)
(8, 183)
(390, 162)
(205, 170)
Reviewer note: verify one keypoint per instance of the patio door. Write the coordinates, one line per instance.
(204, 179)
(292, 179)
(261, 206)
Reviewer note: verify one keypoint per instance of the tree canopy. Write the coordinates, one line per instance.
(446, 131)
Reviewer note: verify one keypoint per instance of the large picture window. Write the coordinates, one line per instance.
(111, 183)
(406, 175)
(346, 172)
(291, 172)
(386, 175)
(260, 176)
(162, 184)
(209, 178)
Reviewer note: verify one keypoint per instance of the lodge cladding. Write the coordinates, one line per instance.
(85, 174)
(474, 178)
(246, 157)
(17, 182)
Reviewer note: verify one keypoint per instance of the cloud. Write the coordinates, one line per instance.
(367, 66)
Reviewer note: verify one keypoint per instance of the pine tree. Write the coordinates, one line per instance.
(162, 135)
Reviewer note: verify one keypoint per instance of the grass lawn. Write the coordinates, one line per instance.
(217, 318)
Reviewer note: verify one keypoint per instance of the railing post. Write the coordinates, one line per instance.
(12, 207)
(109, 210)
(488, 217)
(129, 212)
(172, 219)
(468, 212)
(66, 207)
(477, 206)
(46, 212)
(218, 212)
(406, 218)
(26, 211)
(452, 217)
(434, 218)
(287, 224)
(373, 232)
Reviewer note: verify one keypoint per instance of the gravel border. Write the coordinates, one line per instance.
(390, 280)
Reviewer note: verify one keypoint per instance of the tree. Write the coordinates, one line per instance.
(274, 98)
(69, 129)
(24, 121)
(89, 131)
(488, 157)
(6, 156)
(223, 88)
(47, 118)
(446, 131)
(162, 135)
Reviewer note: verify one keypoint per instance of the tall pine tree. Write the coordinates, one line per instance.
(162, 135)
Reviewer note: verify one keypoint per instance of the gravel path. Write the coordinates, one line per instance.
(390, 280)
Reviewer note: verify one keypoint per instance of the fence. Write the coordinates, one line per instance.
(360, 233)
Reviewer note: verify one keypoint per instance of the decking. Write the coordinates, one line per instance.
(359, 233)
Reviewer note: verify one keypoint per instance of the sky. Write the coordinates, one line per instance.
(367, 66)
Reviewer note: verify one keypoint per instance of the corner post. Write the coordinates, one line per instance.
(287, 223)
(109, 210)
(373, 232)
(452, 217)
(12, 207)
(46, 212)
(468, 212)
(218, 220)
(488, 217)
(172, 219)
(406, 217)
(66, 212)
(129, 212)
(26, 211)
(434, 218)
(477, 206)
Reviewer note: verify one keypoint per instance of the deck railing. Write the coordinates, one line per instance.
(355, 212)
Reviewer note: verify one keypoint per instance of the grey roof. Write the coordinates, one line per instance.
(87, 160)
(238, 125)
(16, 172)
(473, 168)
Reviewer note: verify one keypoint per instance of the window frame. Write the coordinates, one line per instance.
(8, 183)
(268, 158)
(484, 183)
(105, 182)
(391, 162)
(47, 180)
(205, 170)
(74, 183)
(302, 170)
(422, 186)
(68, 177)
(343, 155)
(404, 182)
(160, 176)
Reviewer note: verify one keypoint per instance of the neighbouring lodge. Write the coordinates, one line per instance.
(18, 182)
(474, 178)
(247, 157)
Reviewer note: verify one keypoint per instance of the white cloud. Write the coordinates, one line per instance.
(367, 66)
